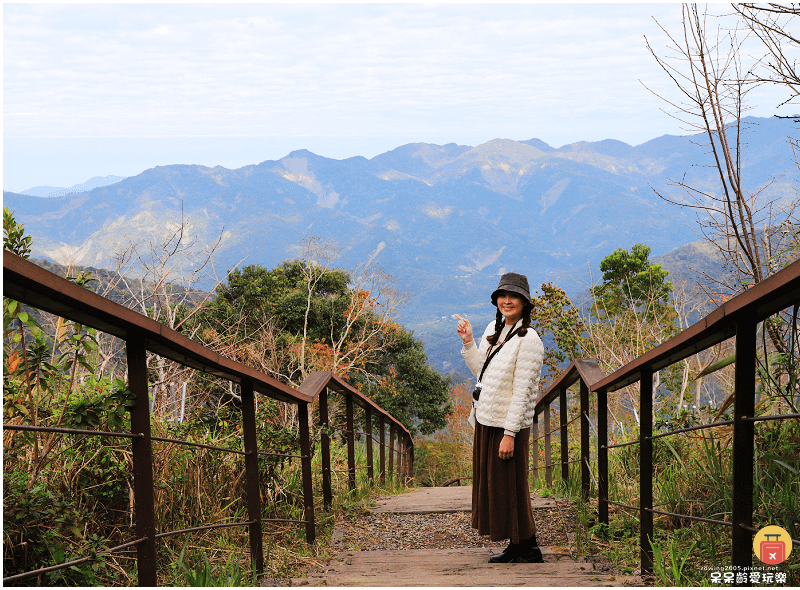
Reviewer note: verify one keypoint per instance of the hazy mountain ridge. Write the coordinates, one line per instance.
(445, 220)
(57, 191)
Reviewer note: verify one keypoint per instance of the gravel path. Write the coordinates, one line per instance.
(367, 531)
(376, 532)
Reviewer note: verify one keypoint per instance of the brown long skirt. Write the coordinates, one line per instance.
(501, 501)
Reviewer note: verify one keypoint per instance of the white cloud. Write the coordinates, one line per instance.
(392, 72)
(145, 70)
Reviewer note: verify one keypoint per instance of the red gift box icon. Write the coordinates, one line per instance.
(773, 552)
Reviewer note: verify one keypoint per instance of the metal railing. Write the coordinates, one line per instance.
(320, 384)
(737, 318)
(34, 286)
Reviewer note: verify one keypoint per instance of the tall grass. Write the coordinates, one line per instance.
(691, 475)
(82, 502)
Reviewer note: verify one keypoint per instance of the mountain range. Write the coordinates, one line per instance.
(445, 220)
(58, 191)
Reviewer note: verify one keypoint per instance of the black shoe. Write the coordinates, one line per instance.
(529, 555)
(508, 555)
(529, 552)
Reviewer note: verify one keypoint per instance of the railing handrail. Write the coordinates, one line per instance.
(42, 289)
(586, 370)
(317, 381)
(738, 318)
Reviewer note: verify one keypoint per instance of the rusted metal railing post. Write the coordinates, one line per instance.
(602, 456)
(743, 431)
(405, 457)
(407, 460)
(646, 468)
(308, 486)
(401, 455)
(535, 447)
(368, 443)
(325, 448)
(406, 451)
(382, 445)
(564, 418)
(585, 442)
(351, 442)
(391, 449)
(251, 475)
(411, 462)
(548, 466)
(142, 448)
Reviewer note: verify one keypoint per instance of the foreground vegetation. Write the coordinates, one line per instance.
(68, 496)
(81, 506)
(691, 476)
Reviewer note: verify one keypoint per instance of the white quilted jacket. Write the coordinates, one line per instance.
(511, 381)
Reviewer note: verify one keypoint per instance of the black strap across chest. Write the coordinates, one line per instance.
(508, 337)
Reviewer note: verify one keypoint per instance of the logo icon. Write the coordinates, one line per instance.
(772, 545)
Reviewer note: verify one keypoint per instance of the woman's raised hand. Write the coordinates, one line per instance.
(464, 329)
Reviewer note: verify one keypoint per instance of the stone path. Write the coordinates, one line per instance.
(434, 500)
(453, 567)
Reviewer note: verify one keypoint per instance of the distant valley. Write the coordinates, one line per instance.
(446, 221)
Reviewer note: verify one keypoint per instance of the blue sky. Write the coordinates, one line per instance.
(100, 89)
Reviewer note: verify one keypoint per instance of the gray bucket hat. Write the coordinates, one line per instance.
(516, 283)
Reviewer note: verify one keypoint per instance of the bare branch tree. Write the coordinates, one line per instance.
(748, 227)
(369, 327)
(770, 24)
(162, 279)
(319, 255)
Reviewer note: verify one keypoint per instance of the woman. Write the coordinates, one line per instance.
(508, 364)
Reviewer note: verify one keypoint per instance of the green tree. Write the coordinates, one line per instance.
(632, 312)
(631, 280)
(286, 324)
(554, 313)
(14, 238)
(281, 293)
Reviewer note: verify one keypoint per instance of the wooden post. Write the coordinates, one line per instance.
(535, 448)
(142, 448)
(351, 442)
(564, 419)
(325, 449)
(585, 442)
(406, 454)
(401, 442)
(646, 469)
(548, 466)
(308, 486)
(743, 454)
(382, 445)
(411, 461)
(391, 449)
(602, 456)
(368, 443)
(251, 474)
